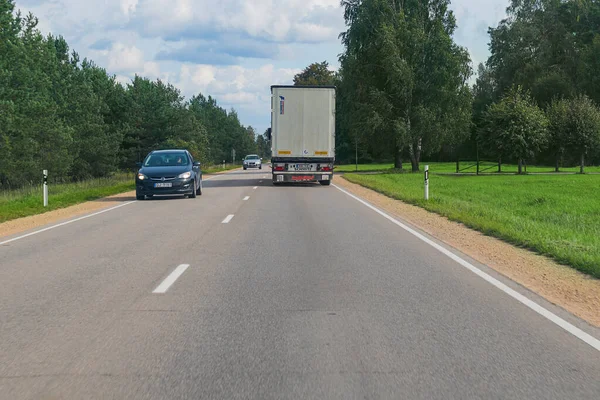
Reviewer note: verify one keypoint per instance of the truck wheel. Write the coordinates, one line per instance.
(325, 183)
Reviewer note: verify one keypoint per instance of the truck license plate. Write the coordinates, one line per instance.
(303, 167)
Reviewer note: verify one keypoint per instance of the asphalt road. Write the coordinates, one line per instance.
(304, 294)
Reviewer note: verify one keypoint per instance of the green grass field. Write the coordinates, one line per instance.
(555, 215)
(28, 201)
(219, 168)
(465, 166)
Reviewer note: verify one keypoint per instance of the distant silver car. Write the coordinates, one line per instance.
(252, 161)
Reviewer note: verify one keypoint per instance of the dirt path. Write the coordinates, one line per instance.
(561, 285)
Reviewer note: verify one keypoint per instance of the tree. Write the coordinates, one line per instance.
(316, 74)
(264, 145)
(407, 78)
(515, 127)
(70, 117)
(542, 45)
(558, 116)
(582, 128)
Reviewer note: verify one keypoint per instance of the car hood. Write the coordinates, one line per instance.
(158, 172)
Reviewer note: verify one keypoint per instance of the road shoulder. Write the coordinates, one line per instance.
(561, 285)
(24, 224)
(20, 225)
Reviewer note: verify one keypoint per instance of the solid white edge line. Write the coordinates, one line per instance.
(66, 223)
(81, 218)
(170, 280)
(246, 198)
(228, 219)
(572, 329)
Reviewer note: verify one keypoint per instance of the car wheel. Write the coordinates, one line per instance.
(199, 191)
(260, 167)
(193, 194)
(140, 196)
(245, 168)
(325, 183)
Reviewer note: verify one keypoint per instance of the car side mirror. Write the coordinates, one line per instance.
(196, 163)
(138, 164)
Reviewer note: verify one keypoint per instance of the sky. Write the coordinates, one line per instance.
(233, 50)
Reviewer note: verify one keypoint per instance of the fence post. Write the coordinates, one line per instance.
(45, 188)
(427, 182)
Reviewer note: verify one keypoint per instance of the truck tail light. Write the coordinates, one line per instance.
(279, 167)
(326, 168)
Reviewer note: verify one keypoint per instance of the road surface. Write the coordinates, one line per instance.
(259, 292)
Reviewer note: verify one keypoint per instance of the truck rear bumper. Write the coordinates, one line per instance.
(282, 177)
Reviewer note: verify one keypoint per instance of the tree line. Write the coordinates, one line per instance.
(67, 115)
(404, 92)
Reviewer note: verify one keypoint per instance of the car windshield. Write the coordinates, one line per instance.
(166, 160)
(252, 158)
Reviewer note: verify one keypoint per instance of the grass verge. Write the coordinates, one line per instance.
(216, 169)
(555, 215)
(465, 166)
(28, 201)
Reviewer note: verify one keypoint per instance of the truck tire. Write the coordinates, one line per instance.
(325, 183)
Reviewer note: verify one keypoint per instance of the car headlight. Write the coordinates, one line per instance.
(185, 175)
(141, 177)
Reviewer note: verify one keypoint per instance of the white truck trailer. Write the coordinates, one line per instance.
(302, 133)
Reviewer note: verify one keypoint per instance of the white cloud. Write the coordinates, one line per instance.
(202, 76)
(269, 19)
(122, 79)
(246, 89)
(266, 41)
(122, 58)
(474, 17)
(128, 6)
(151, 70)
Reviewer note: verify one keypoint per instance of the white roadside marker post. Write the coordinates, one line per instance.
(45, 188)
(427, 182)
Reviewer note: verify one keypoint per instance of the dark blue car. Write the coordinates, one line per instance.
(168, 172)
